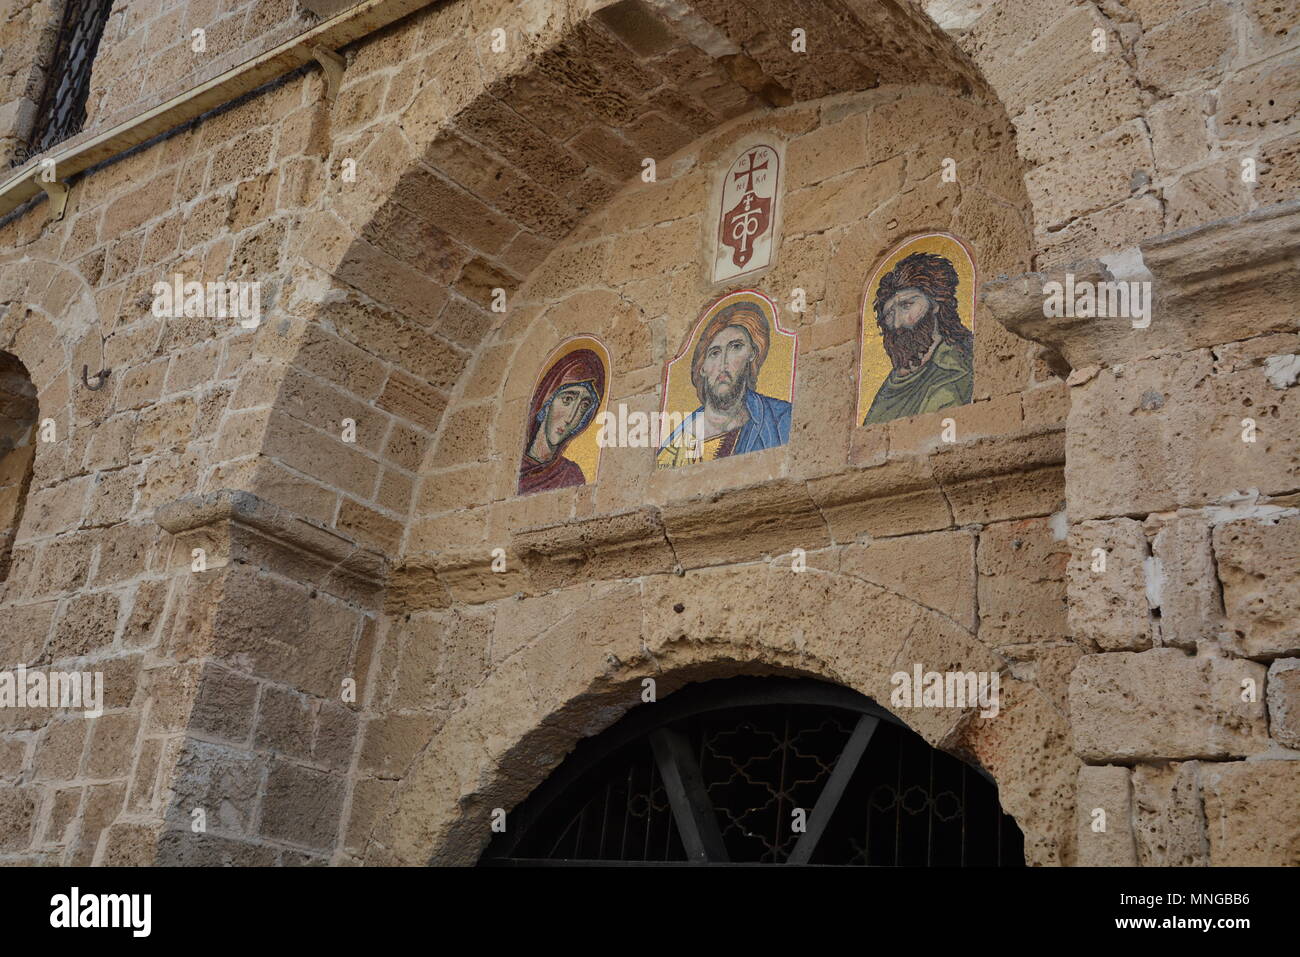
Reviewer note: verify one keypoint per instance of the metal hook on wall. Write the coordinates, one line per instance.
(101, 378)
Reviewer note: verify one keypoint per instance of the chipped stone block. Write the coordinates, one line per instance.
(1164, 705)
(1107, 585)
(1190, 609)
(1252, 814)
(1168, 818)
(1257, 562)
(1284, 702)
(1105, 817)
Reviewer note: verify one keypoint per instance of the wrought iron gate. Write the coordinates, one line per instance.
(761, 771)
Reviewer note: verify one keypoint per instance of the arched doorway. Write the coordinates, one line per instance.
(18, 415)
(761, 771)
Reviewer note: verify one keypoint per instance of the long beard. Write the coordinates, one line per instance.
(725, 402)
(906, 347)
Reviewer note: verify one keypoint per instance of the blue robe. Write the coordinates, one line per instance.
(768, 425)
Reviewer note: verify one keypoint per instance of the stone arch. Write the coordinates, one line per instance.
(584, 670)
(19, 412)
(49, 325)
(478, 176)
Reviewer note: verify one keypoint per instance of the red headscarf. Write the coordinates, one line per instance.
(580, 367)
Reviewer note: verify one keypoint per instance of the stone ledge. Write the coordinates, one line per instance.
(744, 524)
(624, 545)
(1220, 282)
(206, 515)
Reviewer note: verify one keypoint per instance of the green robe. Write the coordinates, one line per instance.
(946, 379)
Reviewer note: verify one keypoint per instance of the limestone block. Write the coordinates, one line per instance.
(1105, 817)
(1168, 817)
(1279, 170)
(389, 742)
(1190, 603)
(898, 497)
(1257, 562)
(301, 805)
(227, 783)
(1003, 477)
(741, 525)
(938, 645)
(1161, 433)
(111, 751)
(1203, 195)
(17, 814)
(1078, 114)
(1022, 589)
(626, 545)
(1251, 813)
(1099, 175)
(1164, 705)
(1260, 98)
(936, 570)
(1188, 51)
(1180, 131)
(1027, 750)
(1284, 702)
(1109, 606)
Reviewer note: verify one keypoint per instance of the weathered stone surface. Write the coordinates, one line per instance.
(777, 518)
(1026, 749)
(1169, 819)
(1250, 294)
(1105, 817)
(1191, 606)
(1165, 705)
(937, 570)
(1257, 562)
(1107, 585)
(898, 497)
(482, 171)
(616, 546)
(1251, 813)
(1162, 433)
(1284, 702)
(1022, 587)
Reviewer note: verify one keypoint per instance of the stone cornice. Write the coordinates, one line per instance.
(246, 527)
(1221, 282)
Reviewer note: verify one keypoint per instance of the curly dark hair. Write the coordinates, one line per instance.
(935, 276)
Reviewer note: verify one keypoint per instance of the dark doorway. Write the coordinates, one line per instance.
(761, 771)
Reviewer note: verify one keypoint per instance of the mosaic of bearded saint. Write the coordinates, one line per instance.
(930, 351)
(733, 417)
(563, 405)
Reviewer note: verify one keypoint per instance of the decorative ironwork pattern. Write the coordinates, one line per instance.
(721, 777)
(62, 109)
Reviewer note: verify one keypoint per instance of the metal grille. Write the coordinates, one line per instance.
(63, 105)
(719, 776)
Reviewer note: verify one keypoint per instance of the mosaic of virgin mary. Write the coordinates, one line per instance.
(563, 406)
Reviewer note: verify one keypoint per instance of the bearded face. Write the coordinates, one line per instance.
(907, 325)
(727, 373)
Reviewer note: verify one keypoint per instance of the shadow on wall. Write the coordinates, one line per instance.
(18, 415)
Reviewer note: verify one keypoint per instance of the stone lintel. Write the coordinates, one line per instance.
(744, 524)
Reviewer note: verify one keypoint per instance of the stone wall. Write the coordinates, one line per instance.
(324, 561)
(1147, 135)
